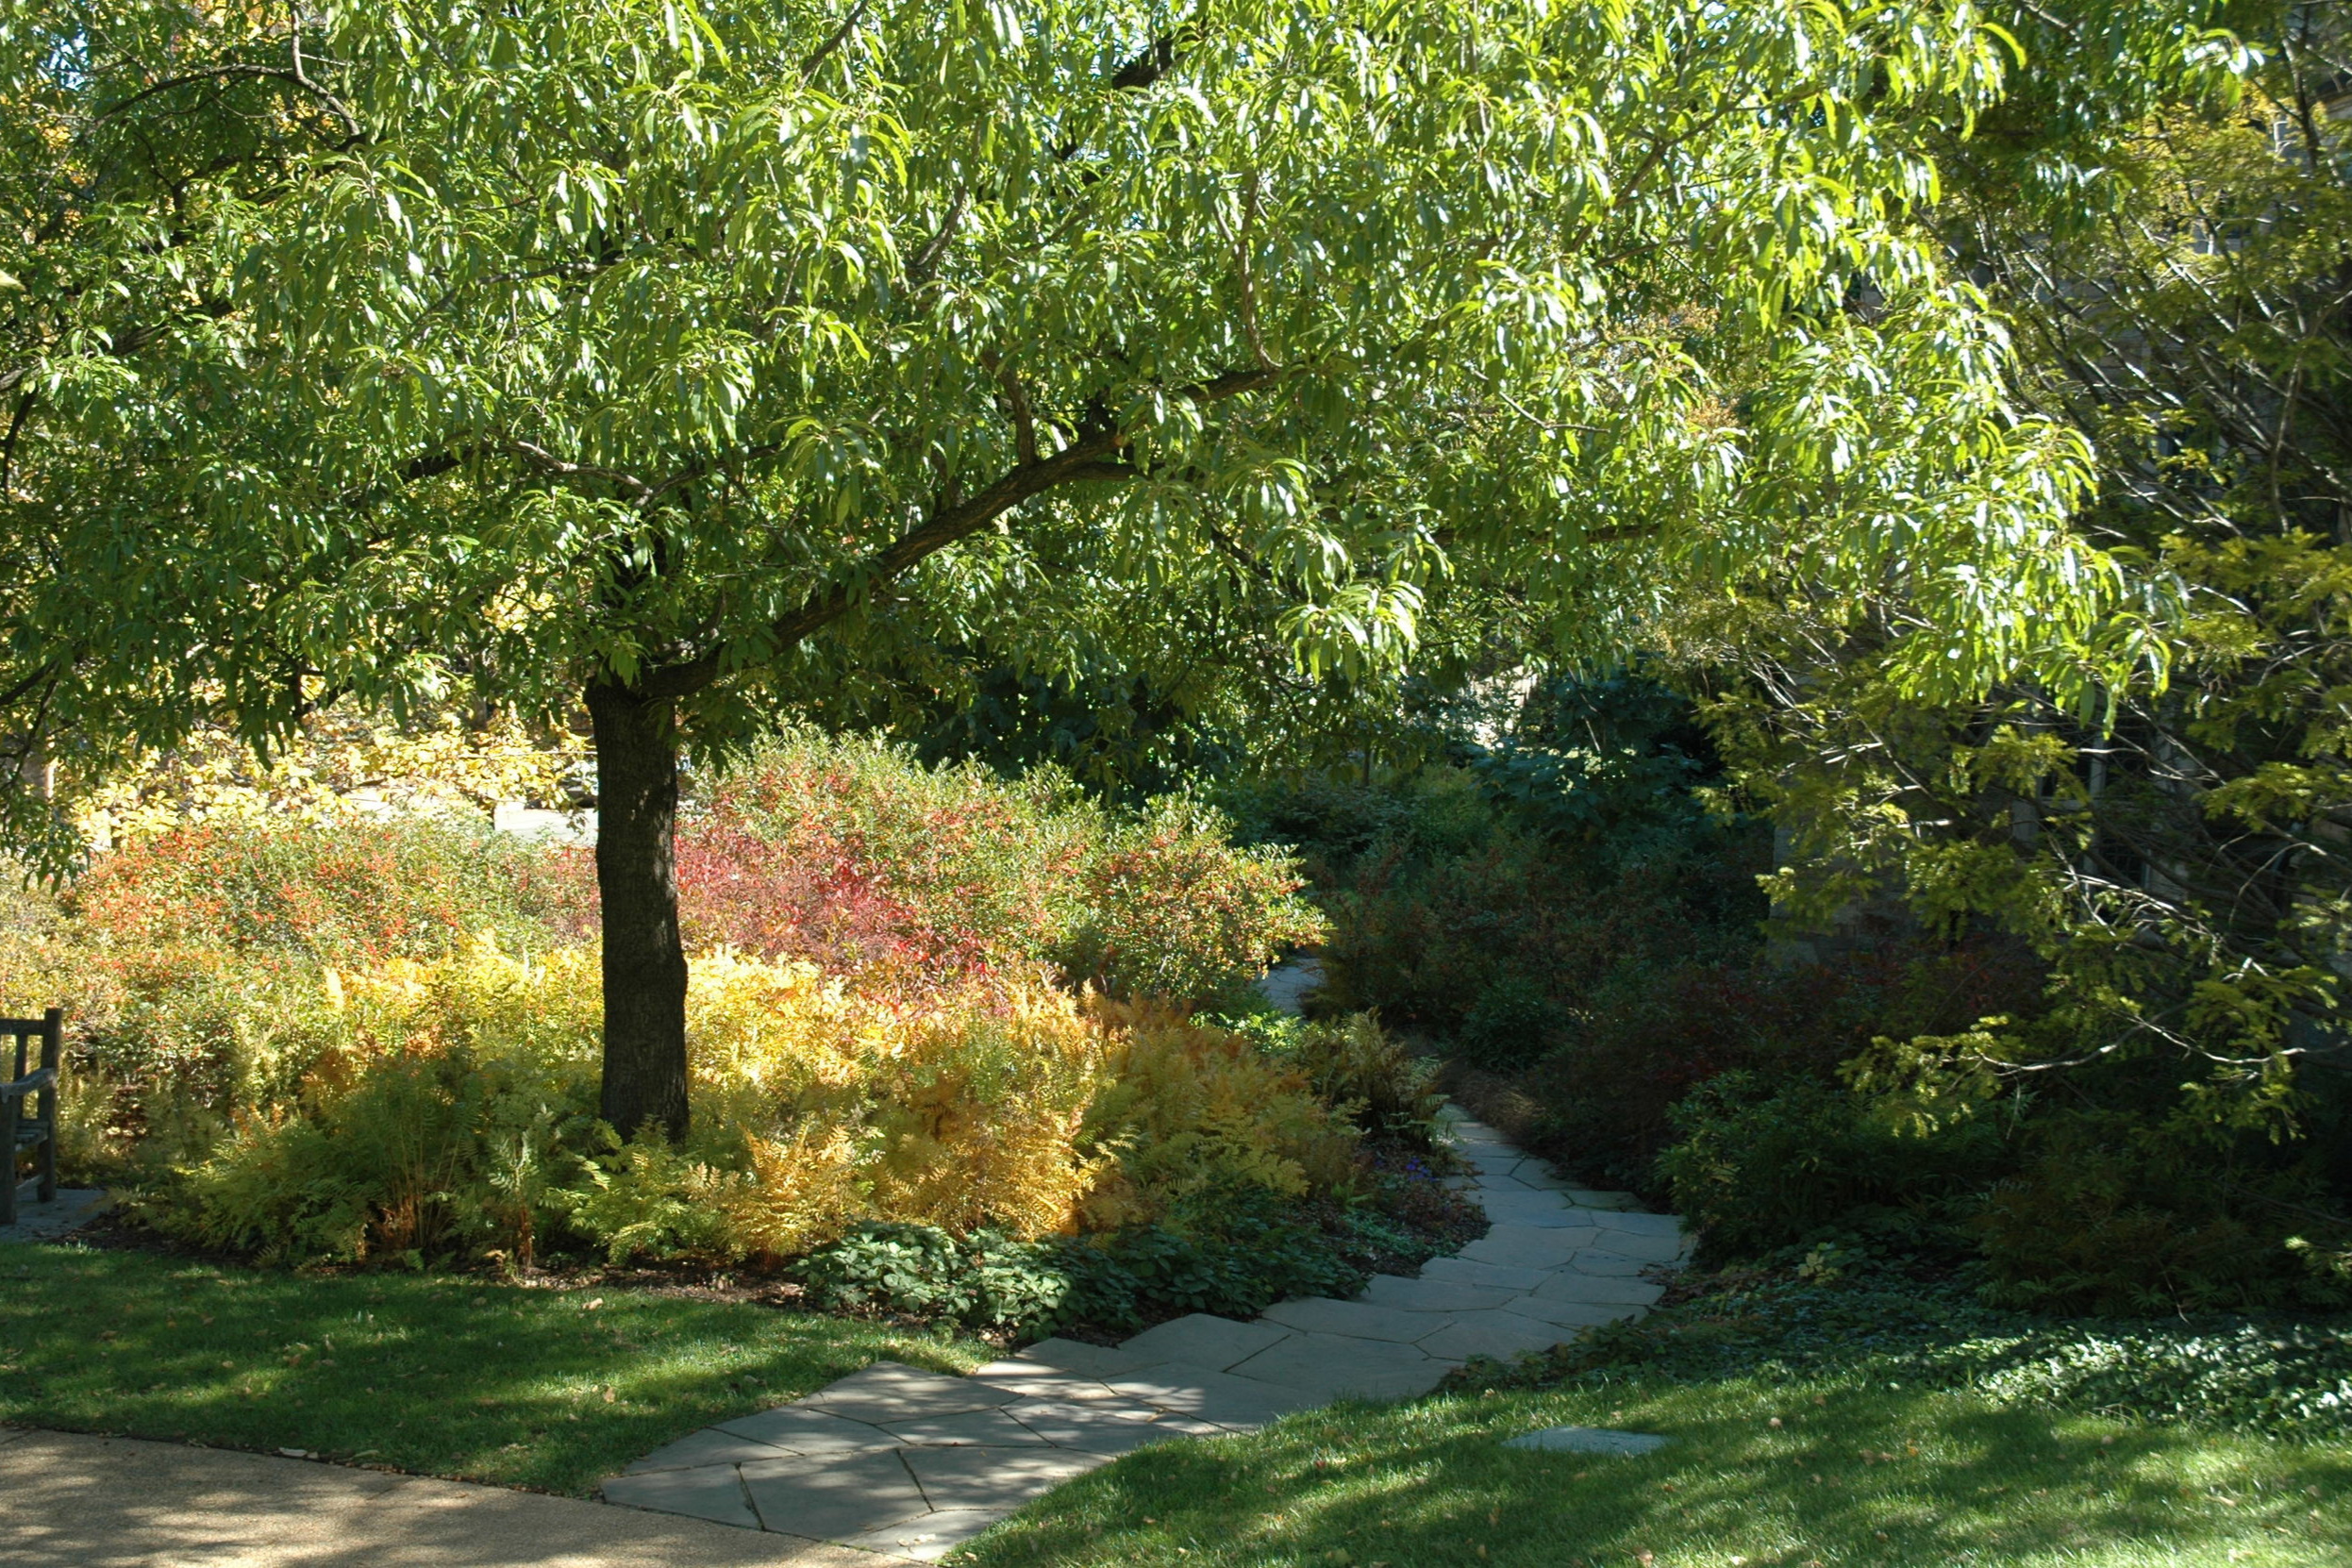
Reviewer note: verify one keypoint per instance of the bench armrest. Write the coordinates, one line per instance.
(30, 1083)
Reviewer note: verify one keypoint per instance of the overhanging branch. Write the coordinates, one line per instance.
(1093, 457)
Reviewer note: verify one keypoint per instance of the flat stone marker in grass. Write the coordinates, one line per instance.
(1587, 1440)
(911, 1464)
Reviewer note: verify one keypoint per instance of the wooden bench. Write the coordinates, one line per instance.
(37, 1130)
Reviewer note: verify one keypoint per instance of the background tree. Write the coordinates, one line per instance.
(2177, 250)
(693, 365)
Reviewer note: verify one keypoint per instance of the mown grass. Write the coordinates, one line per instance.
(1856, 1473)
(438, 1375)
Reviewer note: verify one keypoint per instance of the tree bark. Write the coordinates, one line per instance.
(644, 960)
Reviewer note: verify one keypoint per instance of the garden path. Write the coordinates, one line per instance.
(79, 1501)
(911, 1464)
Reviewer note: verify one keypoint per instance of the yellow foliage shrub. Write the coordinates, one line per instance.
(816, 1106)
(981, 1108)
(1190, 1108)
(456, 1110)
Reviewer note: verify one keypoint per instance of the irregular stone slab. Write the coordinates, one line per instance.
(1649, 1249)
(804, 1430)
(836, 1495)
(1087, 1361)
(708, 1446)
(1098, 1426)
(1487, 1183)
(1527, 1246)
(1213, 1395)
(711, 1492)
(1485, 1275)
(1041, 1382)
(993, 1479)
(1593, 1260)
(1599, 1288)
(972, 1429)
(1643, 1225)
(929, 1537)
(888, 1390)
(1533, 1208)
(1501, 1335)
(1422, 1296)
(1586, 1198)
(1320, 1314)
(1334, 1366)
(1202, 1340)
(1532, 1172)
(1587, 1440)
(1573, 1314)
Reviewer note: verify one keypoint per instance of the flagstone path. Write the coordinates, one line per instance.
(911, 1464)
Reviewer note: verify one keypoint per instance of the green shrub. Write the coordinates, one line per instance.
(1653, 1032)
(420, 1156)
(1513, 1023)
(1354, 1064)
(856, 857)
(2104, 1212)
(1234, 1256)
(352, 891)
(1173, 910)
(2285, 1377)
(982, 1280)
(1757, 1169)
(1457, 909)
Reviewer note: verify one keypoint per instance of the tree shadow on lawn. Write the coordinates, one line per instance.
(436, 1374)
(1875, 1474)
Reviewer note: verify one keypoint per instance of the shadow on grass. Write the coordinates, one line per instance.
(1870, 1476)
(434, 1374)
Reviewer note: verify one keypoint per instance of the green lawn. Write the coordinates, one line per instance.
(433, 1374)
(1857, 1473)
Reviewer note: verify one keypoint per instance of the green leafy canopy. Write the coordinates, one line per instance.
(371, 347)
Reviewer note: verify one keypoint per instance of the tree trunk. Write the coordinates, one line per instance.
(644, 960)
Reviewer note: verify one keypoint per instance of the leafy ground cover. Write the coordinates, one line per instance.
(1831, 1469)
(1813, 1420)
(436, 1374)
(2278, 1374)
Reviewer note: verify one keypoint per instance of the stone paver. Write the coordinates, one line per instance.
(1500, 1334)
(1439, 1295)
(1568, 1285)
(829, 1497)
(1363, 1320)
(911, 1464)
(1234, 1402)
(803, 1429)
(1572, 1315)
(1465, 1270)
(1523, 1246)
(1205, 1340)
(1587, 1440)
(1337, 1366)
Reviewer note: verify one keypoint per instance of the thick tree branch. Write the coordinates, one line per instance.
(293, 74)
(815, 62)
(547, 462)
(1093, 457)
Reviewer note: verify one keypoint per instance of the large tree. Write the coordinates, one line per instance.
(684, 363)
